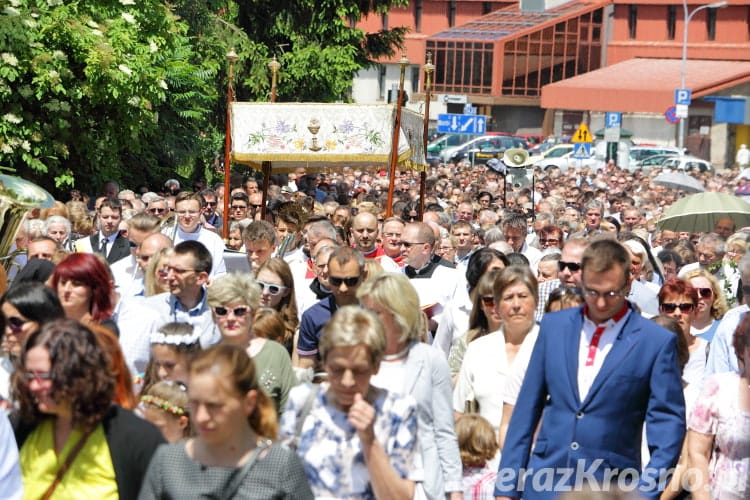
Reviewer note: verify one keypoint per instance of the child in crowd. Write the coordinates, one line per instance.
(477, 443)
(165, 404)
(563, 297)
(172, 347)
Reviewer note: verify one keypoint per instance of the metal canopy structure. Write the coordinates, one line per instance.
(320, 136)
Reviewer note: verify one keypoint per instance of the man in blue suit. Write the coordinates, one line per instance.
(597, 374)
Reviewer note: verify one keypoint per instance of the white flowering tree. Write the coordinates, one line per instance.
(101, 89)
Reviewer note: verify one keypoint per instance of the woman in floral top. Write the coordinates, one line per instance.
(355, 440)
(719, 430)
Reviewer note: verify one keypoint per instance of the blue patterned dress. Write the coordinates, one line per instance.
(329, 446)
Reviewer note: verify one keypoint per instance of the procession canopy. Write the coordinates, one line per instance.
(320, 136)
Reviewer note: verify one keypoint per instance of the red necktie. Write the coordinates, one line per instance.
(594, 344)
(598, 335)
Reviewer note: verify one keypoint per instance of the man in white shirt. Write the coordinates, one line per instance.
(188, 209)
(598, 374)
(107, 241)
(127, 273)
(186, 302)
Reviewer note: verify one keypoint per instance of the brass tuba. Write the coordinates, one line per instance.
(17, 198)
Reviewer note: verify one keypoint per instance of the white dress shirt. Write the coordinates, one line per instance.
(587, 374)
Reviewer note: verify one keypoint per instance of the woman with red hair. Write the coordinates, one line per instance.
(84, 286)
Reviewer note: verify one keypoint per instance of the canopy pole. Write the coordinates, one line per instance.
(232, 57)
(428, 69)
(396, 133)
(274, 66)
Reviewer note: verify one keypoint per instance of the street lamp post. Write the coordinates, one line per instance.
(232, 58)
(429, 68)
(683, 69)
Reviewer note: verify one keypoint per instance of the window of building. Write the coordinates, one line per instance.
(381, 81)
(632, 20)
(711, 24)
(414, 78)
(671, 21)
(418, 16)
(452, 13)
(486, 8)
(384, 19)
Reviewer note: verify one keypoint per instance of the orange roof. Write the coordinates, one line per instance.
(642, 85)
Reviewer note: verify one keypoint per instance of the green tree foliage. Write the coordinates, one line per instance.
(96, 89)
(318, 46)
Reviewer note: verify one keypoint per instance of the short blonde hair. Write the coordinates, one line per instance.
(351, 326)
(395, 293)
(234, 287)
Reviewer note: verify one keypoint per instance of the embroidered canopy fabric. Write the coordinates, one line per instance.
(319, 136)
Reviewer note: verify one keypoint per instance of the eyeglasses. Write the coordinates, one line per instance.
(488, 300)
(350, 281)
(669, 308)
(157, 210)
(705, 292)
(411, 244)
(270, 287)
(237, 311)
(573, 266)
(176, 270)
(16, 324)
(38, 376)
(612, 294)
(211, 203)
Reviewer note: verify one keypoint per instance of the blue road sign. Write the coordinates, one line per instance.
(462, 124)
(612, 119)
(582, 150)
(682, 96)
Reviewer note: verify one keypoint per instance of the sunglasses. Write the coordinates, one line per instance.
(573, 266)
(211, 203)
(238, 311)
(270, 287)
(669, 307)
(705, 292)
(16, 324)
(350, 281)
(488, 300)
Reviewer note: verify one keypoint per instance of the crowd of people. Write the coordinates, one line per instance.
(508, 340)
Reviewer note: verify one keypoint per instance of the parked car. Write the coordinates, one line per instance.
(552, 152)
(651, 162)
(687, 164)
(483, 148)
(567, 161)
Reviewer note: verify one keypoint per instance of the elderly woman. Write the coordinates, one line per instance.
(64, 392)
(712, 304)
(354, 439)
(490, 361)
(410, 367)
(234, 299)
(718, 438)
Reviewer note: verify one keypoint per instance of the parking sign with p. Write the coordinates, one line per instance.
(612, 119)
(682, 96)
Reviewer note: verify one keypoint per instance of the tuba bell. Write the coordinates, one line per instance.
(17, 198)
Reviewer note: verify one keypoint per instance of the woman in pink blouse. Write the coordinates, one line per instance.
(719, 430)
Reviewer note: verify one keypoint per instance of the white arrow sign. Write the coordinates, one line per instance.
(467, 124)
